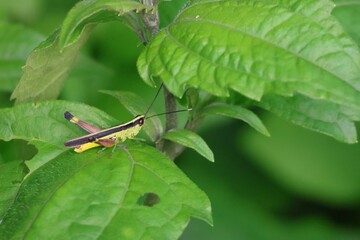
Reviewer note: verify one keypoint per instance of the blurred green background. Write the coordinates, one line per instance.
(294, 185)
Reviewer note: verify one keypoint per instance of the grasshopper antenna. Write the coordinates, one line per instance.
(183, 110)
(153, 100)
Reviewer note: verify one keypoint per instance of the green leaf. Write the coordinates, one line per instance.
(317, 115)
(48, 65)
(96, 196)
(135, 105)
(46, 69)
(192, 140)
(91, 12)
(12, 173)
(46, 152)
(256, 48)
(45, 122)
(93, 194)
(16, 43)
(238, 112)
(348, 13)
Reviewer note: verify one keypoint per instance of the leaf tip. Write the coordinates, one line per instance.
(266, 132)
(211, 158)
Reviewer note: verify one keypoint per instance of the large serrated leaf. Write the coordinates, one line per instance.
(16, 43)
(136, 106)
(98, 196)
(89, 11)
(191, 140)
(256, 48)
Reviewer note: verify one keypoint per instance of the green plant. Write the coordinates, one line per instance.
(291, 57)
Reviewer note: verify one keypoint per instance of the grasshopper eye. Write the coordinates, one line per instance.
(141, 121)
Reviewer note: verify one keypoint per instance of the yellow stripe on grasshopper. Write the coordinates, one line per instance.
(86, 146)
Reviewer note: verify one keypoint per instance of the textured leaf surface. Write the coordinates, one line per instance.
(96, 196)
(134, 104)
(191, 140)
(238, 112)
(12, 173)
(317, 115)
(45, 153)
(93, 195)
(256, 48)
(45, 121)
(16, 43)
(46, 69)
(89, 11)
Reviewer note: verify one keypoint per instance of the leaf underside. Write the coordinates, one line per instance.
(317, 115)
(238, 112)
(191, 140)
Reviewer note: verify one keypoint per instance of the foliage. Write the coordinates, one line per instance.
(223, 57)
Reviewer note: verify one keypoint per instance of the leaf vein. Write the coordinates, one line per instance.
(232, 28)
(123, 194)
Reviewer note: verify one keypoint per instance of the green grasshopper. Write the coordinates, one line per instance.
(108, 137)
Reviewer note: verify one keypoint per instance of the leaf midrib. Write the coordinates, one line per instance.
(123, 194)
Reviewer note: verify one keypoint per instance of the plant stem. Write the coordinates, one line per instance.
(171, 149)
(171, 120)
(151, 19)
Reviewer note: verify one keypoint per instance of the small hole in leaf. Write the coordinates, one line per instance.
(149, 199)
